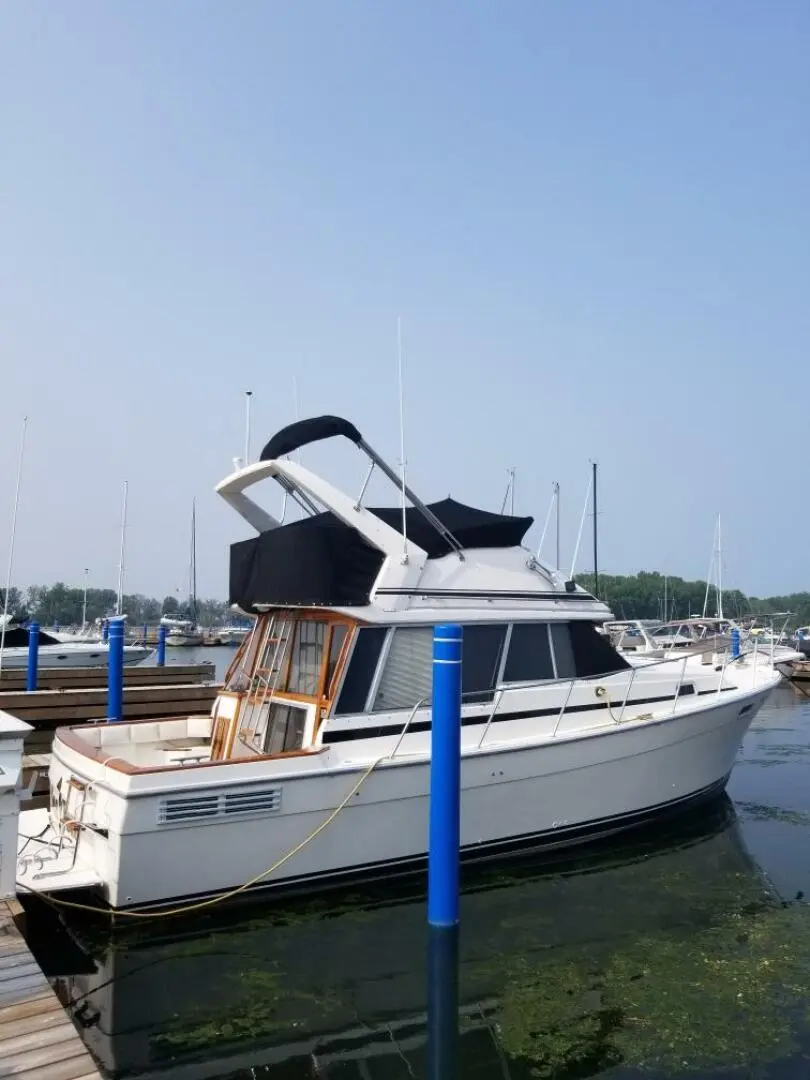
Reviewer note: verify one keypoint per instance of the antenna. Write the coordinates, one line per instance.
(11, 542)
(557, 504)
(248, 397)
(402, 441)
(509, 494)
(581, 527)
(297, 413)
(119, 600)
(545, 524)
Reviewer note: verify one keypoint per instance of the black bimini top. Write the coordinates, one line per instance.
(321, 562)
(16, 637)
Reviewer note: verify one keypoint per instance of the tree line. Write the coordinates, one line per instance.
(643, 596)
(646, 595)
(62, 605)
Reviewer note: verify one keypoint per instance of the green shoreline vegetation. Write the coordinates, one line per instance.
(632, 596)
(62, 605)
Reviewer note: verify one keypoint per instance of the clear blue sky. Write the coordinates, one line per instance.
(592, 217)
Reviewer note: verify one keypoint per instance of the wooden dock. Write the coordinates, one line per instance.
(37, 1039)
(85, 678)
(175, 690)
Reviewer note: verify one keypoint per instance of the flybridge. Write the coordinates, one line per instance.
(339, 553)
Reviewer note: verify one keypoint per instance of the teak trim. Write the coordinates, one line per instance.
(73, 740)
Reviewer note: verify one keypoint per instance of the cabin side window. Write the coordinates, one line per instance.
(529, 655)
(336, 641)
(564, 664)
(306, 657)
(482, 653)
(407, 676)
(361, 670)
(593, 654)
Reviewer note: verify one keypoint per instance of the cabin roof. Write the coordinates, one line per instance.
(320, 561)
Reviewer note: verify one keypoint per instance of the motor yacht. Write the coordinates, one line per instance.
(313, 766)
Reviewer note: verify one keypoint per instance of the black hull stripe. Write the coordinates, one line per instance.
(383, 730)
(524, 844)
(488, 594)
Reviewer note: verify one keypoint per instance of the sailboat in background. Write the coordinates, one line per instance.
(183, 630)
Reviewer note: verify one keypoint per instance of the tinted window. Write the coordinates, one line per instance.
(407, 677)
(529, 656)
(482, 652)
(339, 632)
(360, 672)
(307, 657)
(563, 651)
(593, 654)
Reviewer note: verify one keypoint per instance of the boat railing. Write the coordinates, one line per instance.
(616, 714)
(420, 704)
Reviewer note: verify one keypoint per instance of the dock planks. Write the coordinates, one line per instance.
(46, 710)
(83, 678)
(37, 1039)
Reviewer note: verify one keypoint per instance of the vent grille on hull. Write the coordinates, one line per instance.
(206, 807)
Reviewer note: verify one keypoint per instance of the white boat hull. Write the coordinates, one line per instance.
(70, 655)
(516, 795)
(183, 640)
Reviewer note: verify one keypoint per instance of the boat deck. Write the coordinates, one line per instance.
(37, 1039)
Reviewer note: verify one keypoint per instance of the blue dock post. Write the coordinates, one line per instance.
(161, 650)
(445, 778)
(735, 643)
(105, 630)
(33, 656)
(443, 995)
(115, 672)
(145, 632)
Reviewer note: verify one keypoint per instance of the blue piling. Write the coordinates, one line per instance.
(115, 673)
(735, 643)
(443, 1000)
(445, 778)
(105, 630)
(33, 656)
(145, 632)
(161, 649)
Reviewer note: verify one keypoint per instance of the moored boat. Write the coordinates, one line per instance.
(313, 765)
(58, 650)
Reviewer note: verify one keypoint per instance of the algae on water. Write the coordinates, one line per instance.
(725, 996)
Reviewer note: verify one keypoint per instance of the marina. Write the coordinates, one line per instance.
(38, 1040)
(685, 942)
(404, 614)
(326, 709)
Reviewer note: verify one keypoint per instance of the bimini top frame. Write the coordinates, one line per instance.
(305, 432)
(390, 546)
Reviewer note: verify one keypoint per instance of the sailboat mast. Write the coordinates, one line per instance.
(194, 560)
(595, 538)
(709, 575)
(119, 599)
(719, 570)
(11, 542)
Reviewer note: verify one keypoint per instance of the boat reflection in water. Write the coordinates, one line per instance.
(640, 954)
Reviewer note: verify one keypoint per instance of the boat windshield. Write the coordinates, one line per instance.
(293, 654)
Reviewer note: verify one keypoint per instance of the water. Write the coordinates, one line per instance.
(218, 655)
(682, 952)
